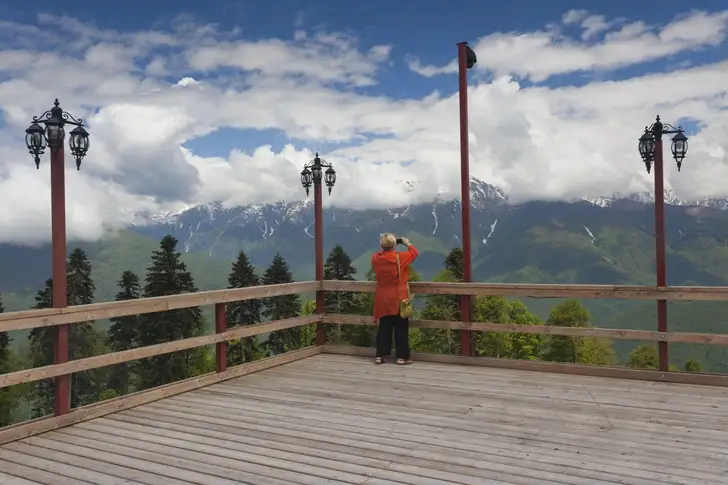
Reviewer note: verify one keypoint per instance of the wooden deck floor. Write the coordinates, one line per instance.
(336, 419)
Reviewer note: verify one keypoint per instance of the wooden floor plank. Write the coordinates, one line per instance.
(575, 459)
(385, 448)
(334, 419)
(6, 479)
(35, 446)
(634, 428)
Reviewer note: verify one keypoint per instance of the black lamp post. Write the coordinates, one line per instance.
(650, 148)
(37, 139)
(312, 174)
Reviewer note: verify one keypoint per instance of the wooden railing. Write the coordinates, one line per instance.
(674, 293)
(83, 313)
(97, 311)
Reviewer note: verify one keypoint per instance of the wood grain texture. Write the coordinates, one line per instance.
(49, 371)
(77, 415)
(97, 311)
(333, 419)
(696, 379)
(676, 293)
(654, 336)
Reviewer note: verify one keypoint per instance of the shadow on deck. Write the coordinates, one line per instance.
(340, 419)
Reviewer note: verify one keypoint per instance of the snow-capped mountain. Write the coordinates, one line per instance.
(287, 226)
(671, 198)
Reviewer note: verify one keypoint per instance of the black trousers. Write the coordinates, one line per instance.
(400, 326)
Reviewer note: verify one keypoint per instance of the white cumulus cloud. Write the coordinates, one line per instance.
(146, 94)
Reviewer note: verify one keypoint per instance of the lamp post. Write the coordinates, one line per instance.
(47, 131)
(466, 60)
(650, 147)
(313, 173)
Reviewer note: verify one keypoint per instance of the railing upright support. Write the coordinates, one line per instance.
(220, 347)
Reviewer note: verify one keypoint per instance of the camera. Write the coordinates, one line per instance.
(399, 240)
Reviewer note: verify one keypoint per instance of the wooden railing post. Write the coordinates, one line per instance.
(466, 336)
(220, 347)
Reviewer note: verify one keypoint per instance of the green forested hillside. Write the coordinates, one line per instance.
(532, 243)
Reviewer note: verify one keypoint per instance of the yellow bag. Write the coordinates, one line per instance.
(405, 306)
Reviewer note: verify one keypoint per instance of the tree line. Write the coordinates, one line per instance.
(168, 275)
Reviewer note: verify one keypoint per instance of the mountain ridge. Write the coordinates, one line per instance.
(481, 194)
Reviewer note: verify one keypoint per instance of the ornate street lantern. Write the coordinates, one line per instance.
(313, 174)
(647, 149)
(306, 179)
(679, 148)
(330, 178)
(37, 138)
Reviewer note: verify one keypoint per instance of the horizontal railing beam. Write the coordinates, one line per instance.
(70, 367)
(103, 408)
(675, 293)
(98, 311)
(595, 332)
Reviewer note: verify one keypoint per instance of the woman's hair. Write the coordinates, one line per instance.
(387, 240)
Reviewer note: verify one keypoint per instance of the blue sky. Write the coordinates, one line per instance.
(428, 29)
(560, 95)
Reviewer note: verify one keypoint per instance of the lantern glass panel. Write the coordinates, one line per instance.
(306, 178)
(330, 177)
(647, 146)
(316, 173)
(35, 138)
(679, 147)
(54, 134)
(78, 141)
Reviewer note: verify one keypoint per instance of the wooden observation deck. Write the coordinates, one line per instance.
(326, 415)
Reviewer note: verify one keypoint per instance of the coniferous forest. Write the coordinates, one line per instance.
(167, 274)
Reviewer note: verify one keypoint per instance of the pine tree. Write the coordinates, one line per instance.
(246, 312)
(338, 267)
(454, 263)
(83, 340)
(166, 276)
(41, 351)
(281, 307)
(443, 307)
(123, 332)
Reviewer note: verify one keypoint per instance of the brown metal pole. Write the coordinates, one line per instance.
(660, 257)
(221, 347)
(319, 261)
(466, 345)
(62, 385)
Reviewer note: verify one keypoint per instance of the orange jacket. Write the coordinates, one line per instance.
(390, 289)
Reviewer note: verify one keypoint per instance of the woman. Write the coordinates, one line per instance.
(391, 270)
